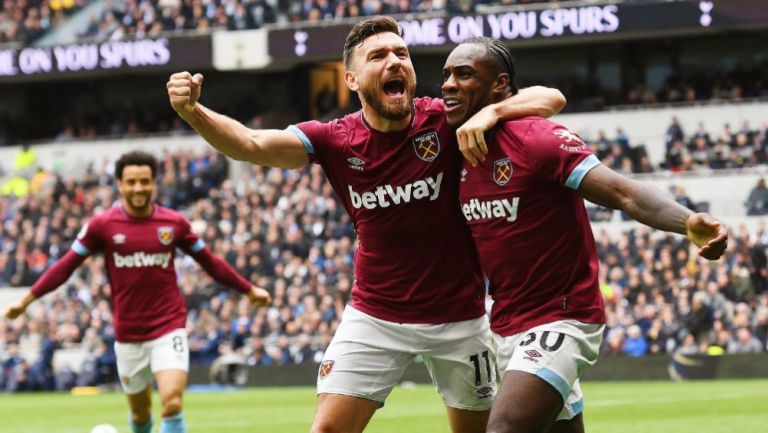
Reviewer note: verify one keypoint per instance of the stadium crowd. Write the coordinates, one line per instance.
(25, 21)
(286, 231)
(703, 150)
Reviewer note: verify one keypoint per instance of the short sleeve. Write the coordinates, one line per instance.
(313, 135)
(189, 241)
(89, 239)
(428, 104)
(558, 154)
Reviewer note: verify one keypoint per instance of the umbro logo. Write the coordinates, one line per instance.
(356, 163)
(485, 392)
(118, 239)
(532, 355)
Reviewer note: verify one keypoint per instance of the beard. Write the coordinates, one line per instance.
(370, 95)
(136, 203)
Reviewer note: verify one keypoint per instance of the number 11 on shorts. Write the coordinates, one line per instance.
(475, 359)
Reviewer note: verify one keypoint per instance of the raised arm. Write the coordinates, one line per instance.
(268, 147)
(531, 101)
(650, 206)
(52, 278)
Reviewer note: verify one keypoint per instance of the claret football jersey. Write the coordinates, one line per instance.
(531, 228)
(139, 255)
(415, 262)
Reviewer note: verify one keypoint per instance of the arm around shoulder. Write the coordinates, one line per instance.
(531, 101)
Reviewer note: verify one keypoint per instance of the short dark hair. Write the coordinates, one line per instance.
(135, 157)
(499, 54)
(365, 28)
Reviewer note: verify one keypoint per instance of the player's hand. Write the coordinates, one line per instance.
(259, 297)
(15, 310)
(471, 135)
(708, 234)
(183, 92)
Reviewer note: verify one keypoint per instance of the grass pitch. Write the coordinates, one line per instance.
(626, 407)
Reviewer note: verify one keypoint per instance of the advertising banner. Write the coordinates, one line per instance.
(550, 23)
(143, 54)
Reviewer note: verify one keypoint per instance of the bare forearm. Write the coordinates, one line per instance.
(652, 207)
(28, 299)
(642, 202)
(229, 136)
(531, 101)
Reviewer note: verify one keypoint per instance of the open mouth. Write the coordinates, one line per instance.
(451, 103)
(394, 87)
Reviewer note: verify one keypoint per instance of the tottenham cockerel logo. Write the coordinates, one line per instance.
(427, 146)
(165, 235)
(502, 171)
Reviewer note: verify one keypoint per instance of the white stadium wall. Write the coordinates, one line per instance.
(648, 126)
(71, 158)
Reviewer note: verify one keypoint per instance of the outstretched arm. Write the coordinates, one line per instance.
(531, 101)
(55, 276)
(223, 273)
(268, 147)
(650, 206)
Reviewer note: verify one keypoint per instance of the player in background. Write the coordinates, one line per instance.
(139, 240)
(395, 167)
(525, 210)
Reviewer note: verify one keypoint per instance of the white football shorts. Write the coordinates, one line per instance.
(558, 352)
(137, 362)
(367, 358)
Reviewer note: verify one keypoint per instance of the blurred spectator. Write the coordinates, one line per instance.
(681, 197)
(757, 202)
(635, 344)
(674, 133)
(745, 342)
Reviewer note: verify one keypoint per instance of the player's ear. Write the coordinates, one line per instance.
(351, 79)
(501, 83)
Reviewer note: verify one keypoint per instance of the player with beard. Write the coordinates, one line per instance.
(139, 240)
(395, 166)
(525, 210)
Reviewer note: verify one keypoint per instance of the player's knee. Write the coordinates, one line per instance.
(322, 428)
(326, 426)
(511, 424)
(172, 405)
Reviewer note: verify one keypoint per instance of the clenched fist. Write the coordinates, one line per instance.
(259, 297)
(183, 92)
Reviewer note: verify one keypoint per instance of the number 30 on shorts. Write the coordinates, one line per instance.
(475, 360)
(546, 340)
